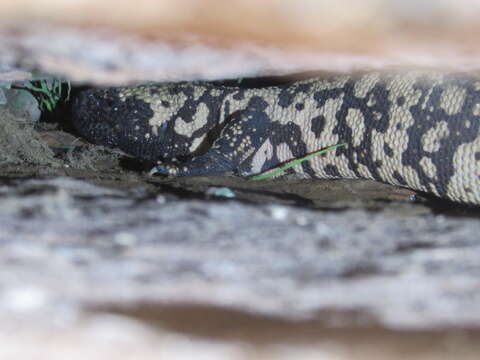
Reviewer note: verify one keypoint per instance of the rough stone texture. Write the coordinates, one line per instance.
(113, 42)
(71, 251)
(395, 266)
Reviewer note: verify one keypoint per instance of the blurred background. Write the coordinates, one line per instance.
(118, 41)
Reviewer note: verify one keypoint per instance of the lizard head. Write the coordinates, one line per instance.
(149, 122)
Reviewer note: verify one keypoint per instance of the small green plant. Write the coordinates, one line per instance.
(276, 171)
(47, 91)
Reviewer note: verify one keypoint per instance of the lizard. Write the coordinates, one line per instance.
(415, 129)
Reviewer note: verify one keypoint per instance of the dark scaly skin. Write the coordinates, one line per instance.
(418, 130)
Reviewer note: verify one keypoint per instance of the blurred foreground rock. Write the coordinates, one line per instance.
(111, 42)
(219, 274)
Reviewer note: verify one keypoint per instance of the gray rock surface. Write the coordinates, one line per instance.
(404, 271)
(72, 252)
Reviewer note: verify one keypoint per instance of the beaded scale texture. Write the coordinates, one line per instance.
(419, 130)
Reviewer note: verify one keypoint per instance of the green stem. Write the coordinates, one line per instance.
(292, 163)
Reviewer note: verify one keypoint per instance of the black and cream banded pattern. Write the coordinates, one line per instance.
(415, 129)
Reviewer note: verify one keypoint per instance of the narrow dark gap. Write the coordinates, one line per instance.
(60, 119)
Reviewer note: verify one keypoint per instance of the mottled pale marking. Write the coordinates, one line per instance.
(436, 79)
(304, 120)
(364, 172)
(452, 99)
(429, 168)
(284, 154)
(247, 152)
(263, 154)
(329, 110)
(161, 113)
(245, 147)
(337, 82)
(196, 143)
(233, 106)
(431, 139)
(356, 122)
(411, 177)
(397, 139)
(153, 124)
(215, 92)
(464, 185)
(268, 95)
(318, 163)
(365, 84)
(476, 109)
(198, 91)
(378, 154)
(182, 127)
(200, 117)
(341, 162)
(140, 92)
